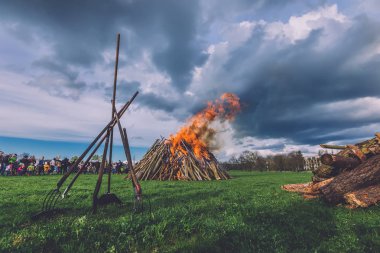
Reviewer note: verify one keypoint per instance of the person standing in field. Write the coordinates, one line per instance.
(57, 167)
(30, 169)
(65, 164)
(8, 170)
(12, 160)
(6, 161)
(20, 169)
(46, 168)
(119, 164)
(40, 166)
(52, 165)
(2, 167)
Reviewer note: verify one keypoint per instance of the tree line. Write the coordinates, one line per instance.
(293, 161)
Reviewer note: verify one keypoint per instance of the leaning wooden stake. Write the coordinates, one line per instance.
(124, 138)
(100, 175)
(113, 112)
(136, 184)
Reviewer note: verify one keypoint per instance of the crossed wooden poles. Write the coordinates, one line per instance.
(106, 135)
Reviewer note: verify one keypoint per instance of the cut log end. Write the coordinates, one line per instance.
(327, 159)
(339, 162)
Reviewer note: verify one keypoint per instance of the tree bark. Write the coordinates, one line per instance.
(364, 197)
(366, 174)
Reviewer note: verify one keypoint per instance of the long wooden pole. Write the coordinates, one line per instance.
(100, 175)
(136, 184)
(113, 111)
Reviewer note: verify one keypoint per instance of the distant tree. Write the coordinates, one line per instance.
(97, 157)
(279, 162)
(248, 159)
(295, 161)
(73, 159)
(261, 163)
(300, 161)
(233, 159)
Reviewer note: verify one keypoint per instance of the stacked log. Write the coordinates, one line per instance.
(160, 163)
(348, 158)
(366, 174)
(350, 177)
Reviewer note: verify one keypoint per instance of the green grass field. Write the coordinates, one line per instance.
(248, 213)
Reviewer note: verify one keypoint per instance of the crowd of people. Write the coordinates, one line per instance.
(14, 165)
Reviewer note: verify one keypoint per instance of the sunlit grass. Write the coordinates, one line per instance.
(248, 213)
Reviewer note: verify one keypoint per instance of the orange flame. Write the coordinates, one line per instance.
(197, 132)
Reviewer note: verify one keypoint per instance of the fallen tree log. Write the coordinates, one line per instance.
(339, 162)
(299, 188)
(307, 188)
(364, 175)
(363, 197)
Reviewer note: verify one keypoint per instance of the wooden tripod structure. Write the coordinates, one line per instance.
(106, 135)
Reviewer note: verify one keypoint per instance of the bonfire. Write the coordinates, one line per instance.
(186, 155)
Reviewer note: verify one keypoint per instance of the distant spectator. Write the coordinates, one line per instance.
(25, 159)
(113, 167)
(12, 158)
(64, 165)
(2, 164)
(30, 169)
(119, 165)
(57, 167)
(21, 169)
(28, 165)
(52, 164)
(8, 169)
(40, 166)
(46, 168)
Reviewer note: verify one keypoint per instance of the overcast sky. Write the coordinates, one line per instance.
(307, 72)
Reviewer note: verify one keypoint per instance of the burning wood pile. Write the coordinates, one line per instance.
(351, 177)
(186, 155)
(159, 163)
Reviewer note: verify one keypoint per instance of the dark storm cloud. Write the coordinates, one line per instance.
(282, 87)
(125, 90)
(81, 30)
(282, 84)
(275, 147)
